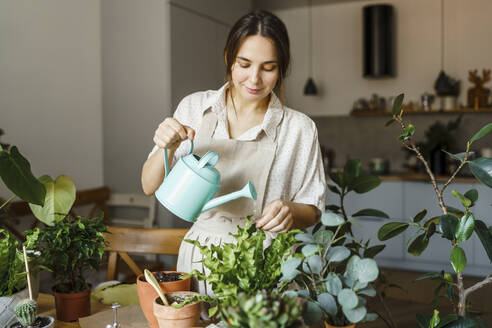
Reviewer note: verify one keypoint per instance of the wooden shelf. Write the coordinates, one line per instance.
(422, 177)
(377, 112)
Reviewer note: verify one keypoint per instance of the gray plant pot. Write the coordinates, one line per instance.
(49, 325)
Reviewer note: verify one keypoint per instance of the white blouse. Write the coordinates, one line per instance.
(297, 170)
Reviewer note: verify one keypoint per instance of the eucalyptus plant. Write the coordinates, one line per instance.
(333, 287)
(455, 225)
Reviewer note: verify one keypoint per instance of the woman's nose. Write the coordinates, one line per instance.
(255, 75)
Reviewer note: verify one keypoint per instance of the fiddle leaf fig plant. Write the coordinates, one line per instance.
(455, 225)
(332, 279)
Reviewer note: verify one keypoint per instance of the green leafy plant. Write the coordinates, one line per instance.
(265, 310)
(68, 248)
(25, 311)
(333, 287)
(242, 266)
(455, 225)
(12, 276)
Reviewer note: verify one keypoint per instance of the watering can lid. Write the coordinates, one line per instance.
(204, 166)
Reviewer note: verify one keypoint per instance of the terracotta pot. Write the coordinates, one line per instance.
(70, 307)
(169, 317)
(327, 325)
(147, 294)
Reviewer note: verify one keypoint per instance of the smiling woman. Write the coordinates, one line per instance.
(257, 137)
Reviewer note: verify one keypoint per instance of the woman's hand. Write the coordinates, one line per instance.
(170, 133)
(276, 217)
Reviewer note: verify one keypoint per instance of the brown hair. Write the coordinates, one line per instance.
(262, 23)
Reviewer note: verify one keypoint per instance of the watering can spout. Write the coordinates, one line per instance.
(248, 191)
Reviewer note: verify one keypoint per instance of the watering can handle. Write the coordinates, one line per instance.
(210, 157)
(166, 160)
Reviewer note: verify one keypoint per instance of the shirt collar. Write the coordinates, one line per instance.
(275, 112)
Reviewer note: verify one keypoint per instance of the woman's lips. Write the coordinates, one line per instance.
(253, 91)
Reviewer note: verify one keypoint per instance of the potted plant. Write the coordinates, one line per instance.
(25, 312)
(175, 313)
(250, 269)
(455, 225)
(265, 310)
(330, 276)
(169, 281)
(69, 247)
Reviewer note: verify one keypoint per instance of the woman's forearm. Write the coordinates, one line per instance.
(305, 215)
(153, 171)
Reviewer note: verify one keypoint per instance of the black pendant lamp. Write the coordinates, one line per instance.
(310, 88)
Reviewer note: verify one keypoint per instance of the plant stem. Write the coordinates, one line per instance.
(7, 201)
(478, 285)
(391, 323)
(459, 168)
(461, 295)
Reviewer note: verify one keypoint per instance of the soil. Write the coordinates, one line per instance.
(39, 323)
(164, 277)
(175, 299)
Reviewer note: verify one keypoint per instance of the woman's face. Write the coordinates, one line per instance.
(255, 71)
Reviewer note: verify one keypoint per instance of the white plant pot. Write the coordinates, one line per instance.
(7, 306)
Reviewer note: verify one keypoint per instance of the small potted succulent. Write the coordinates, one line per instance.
(69, 248)
(25, 312)
(265, 310)
(330, 276)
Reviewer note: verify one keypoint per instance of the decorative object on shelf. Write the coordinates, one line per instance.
(478, 96)
(486, 152)
(426, 101)
(376, 102)
(360, 104)
(379, 41)
(447, 88)
(379, 166)
(310, 88)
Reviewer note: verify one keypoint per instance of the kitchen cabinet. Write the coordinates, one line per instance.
(402, 200)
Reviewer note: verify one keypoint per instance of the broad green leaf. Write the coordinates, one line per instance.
(447, 320)
(434, 321)
(472, 195)
(333, 188)
(392, 229)
(312, 313)
(372, 251)
(333, 284)
(330, 219)
(328, 303)
(447, 226)
(315, 263)
(310, 249)
(305, 237)
(465, 228)
(483, 132)
(455, 211)
(465, 201)
(323, 237)
(420, 216)
(337, 254)
(461, 322)
(365, 183)
(365, 270)
(482, 170)
(397, 104)
(60, 196)
(337, 178)
(418, 245)
(347, 298)
(356, 314)
(485, 236)
(431, 229)
(371, 212)
(458, 259)
(15, 172)
(351, 171)
(460, 156)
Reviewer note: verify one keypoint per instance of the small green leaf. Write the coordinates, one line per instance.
(458, 259)
(365, 183)
(356, 314)
(289, 267)
(337, 177)
(397, 104)
(480, 134)
(447, 226)
(337, 254)
(328, 303)
(434, 321)
(455, 211)
(390, 230)
(369, 291)
(315, 263)
(312, 313)
(323, 237)
(420, 216)
(305, 237)
(482, 170)
(389, 122)
(310, 249)
(485, 236)
(465, 228)
(430, 275)
(472, 195)
(371, 212)
(371, 252)
(347, 298)
(418, 245)
(447, 320)
(460, 156)
(333, 188)
(331, 219)
(351, 170)
(333, 284)
(465, 201)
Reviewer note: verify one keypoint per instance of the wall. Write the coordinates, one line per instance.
(337, 51)
(50, 86)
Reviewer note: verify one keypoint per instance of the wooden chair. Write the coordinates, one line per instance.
(124, 240)
(132, 201)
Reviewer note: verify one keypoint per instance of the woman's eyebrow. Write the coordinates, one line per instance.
(267, 62)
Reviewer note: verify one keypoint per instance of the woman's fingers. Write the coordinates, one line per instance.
(277, 220)
(170, 133)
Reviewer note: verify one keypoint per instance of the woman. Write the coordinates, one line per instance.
(256, 137)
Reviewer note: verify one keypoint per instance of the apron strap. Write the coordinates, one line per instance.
(208, 125)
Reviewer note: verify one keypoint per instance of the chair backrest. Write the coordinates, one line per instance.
(122, 240)
(135, 201)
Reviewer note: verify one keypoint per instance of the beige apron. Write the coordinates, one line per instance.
(239, 162)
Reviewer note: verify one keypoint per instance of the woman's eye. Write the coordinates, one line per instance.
(269, 68)
(244, 65)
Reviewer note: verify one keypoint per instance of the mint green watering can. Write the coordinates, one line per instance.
(188, 189)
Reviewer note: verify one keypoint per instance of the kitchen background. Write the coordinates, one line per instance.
(83, 84)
